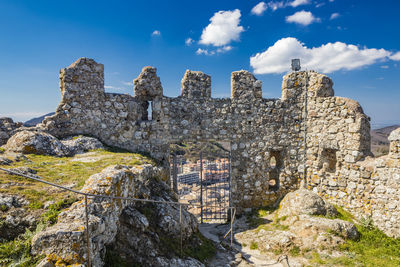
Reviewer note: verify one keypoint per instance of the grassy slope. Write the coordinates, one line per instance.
(70, 171)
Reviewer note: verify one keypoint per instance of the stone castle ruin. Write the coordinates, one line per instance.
(308, 130)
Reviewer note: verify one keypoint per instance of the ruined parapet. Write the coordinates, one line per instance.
(394, 139)
(148, 88)
(148, 85)
(196, 84)
(318, 85)
(84, 80)
(245, 86)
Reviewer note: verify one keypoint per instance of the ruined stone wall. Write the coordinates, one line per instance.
(337, 130)
(7, 129)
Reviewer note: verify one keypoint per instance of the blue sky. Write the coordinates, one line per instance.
(353, 42)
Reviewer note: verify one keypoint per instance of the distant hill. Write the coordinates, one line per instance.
(379, 140)
(35, 121)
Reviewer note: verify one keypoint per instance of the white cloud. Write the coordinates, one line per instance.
(334, 16)
(201, 51)
(395, 56)
(326, 58)
(297, 3)
(224, 49)
(259, 9)
(219, 50)
(223, 29)
(302, 17)
(156, 33)
(384, 67)
(276, 5)
(189, 41)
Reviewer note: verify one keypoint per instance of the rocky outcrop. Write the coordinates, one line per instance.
(42, 143)
(304, 221)
(36, 142)
(14, 217)
(81, 144)
(303, 201)
(139, 232)
(7, 129)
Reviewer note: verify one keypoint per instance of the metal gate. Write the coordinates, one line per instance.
(204, 178)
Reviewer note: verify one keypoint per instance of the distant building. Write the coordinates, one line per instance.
(188, 178)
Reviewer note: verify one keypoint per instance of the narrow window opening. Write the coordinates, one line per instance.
(275, 165)
(328, 160)
(150, 111)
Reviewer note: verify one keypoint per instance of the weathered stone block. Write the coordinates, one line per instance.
(196, 84)
(148, 84)
(245, 86)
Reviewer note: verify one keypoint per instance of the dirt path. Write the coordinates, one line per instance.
(238, 255)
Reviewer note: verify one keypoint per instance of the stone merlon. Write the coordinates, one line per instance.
(196, 84)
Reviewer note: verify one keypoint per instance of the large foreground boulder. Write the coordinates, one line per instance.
(141, 233)
(303, 201)
(42, 143)
(36, 142)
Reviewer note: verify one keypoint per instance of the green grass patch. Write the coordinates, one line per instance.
(374, 248)
(344, 215)
(256, 218)
(50, 216)
(18, 251)
(205, 251)
(253, 245)
(295, 251)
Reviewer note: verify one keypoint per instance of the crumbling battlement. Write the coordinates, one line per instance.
(337, 130)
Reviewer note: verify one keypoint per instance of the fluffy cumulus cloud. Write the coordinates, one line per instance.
(326, 58)
(223, 29)
(259, 9)
(302, 17)
(156, 33)
(395, 56)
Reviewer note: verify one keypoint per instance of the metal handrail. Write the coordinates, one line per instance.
(86, 195)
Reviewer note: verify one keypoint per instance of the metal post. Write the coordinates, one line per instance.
(174, 174)
(305, 131)
(201, 186)
(180, 223)
(230, 177)
(87, 232)
(231, 227)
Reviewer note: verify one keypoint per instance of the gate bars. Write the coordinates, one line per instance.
(87, 195)
(214, 180)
